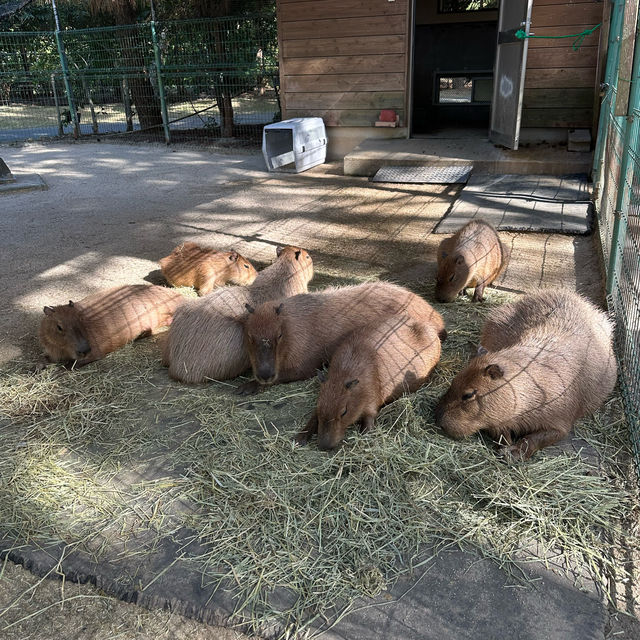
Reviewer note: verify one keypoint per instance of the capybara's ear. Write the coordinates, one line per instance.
(494, 371)
(279, 250)
(249, 308)
(71, 303)
(298, 254)
(279, 308)
(48, 311)
(233, 256)
(351, 383)
(322, 376)
(460, 260)
(481, 351)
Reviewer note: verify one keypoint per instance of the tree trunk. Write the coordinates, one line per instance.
(223, 92)
(143, 94)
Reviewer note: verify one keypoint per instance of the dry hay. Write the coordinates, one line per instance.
(326, 528)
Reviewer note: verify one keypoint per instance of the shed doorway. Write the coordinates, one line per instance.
(455, 44)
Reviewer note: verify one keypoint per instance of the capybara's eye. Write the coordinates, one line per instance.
(452, 277)
(279, 336)
(344, 413)
(246, 266)
(469, 394)
(60, 328)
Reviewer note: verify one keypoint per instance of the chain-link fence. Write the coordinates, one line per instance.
(617, 192)
(181, 80)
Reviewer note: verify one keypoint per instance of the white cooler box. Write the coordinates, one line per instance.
(292, 146)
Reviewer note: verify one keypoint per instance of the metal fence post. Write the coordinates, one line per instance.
(630, 133)
(163, 102)
(611, 70)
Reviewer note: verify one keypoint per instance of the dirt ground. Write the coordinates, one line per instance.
(112, 210)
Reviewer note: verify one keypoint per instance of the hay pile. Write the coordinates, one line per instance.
(324, 528)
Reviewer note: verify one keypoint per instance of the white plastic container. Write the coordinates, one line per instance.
(294, 145)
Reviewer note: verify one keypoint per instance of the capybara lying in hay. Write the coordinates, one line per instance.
(544, 362)
(288, 340)
(204, 269)
(373, 365)
(105, 321)
(474, 256)
(206, 338)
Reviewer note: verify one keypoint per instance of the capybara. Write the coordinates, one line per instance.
(373, 365)
(87, 330)
(204, 269)
(544, 361)
(206, 337)
(474, 256)
(289, 339)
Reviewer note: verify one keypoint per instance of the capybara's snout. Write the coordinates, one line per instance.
(265, 372)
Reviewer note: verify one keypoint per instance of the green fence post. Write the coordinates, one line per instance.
(610, 76)
(65, 72)
(630, 133)
(163, 102)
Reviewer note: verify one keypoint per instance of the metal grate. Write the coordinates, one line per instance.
(449, 174)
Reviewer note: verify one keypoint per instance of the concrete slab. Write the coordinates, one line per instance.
(370, 155)
(559, 204)
(23, 182)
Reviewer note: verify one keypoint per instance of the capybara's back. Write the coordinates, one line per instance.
(288, 340)
(373, 365)
(190, 265)
(474, 256)
(205, 340)
(105, 321)
(547, 360)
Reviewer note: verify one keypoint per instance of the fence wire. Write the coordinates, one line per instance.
(617, 179)
(191, 79)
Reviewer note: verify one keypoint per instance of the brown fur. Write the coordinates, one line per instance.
(474, 256)
(105, 321)
(550, 362)
(373, 365)
(190, 265)
(206, 338)
(288, 340)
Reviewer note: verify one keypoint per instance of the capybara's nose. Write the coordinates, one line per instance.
(265, 373)
(83, 349)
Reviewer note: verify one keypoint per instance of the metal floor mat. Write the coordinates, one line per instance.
(445, 174)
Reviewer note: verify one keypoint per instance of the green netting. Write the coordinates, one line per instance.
(617, 179)
(206, 78)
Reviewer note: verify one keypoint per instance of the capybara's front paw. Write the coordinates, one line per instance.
(302, 438)
(249, 388)
(515, 452)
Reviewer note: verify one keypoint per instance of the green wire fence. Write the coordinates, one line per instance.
(616, 174)
(179, 80)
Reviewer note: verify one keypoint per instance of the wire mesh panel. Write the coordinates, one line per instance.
(33, 103)
(617, 176)
(206, 78)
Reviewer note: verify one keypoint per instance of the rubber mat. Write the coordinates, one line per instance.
(537, 203)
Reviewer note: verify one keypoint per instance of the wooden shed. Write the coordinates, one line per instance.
(442, 64)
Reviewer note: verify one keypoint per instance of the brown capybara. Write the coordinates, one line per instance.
(474, 256)
(205, 340)
(288, 340)
(87, 330)
(544, 362)
(373, 365)
(204, 269)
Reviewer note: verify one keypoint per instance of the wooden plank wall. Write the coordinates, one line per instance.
(560, 83)
(343, 60)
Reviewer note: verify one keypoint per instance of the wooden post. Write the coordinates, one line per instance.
(57, 103)
(126, 100)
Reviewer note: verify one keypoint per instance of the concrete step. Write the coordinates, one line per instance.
(370, 155)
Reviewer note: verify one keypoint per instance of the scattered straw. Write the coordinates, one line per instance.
(297, 530)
